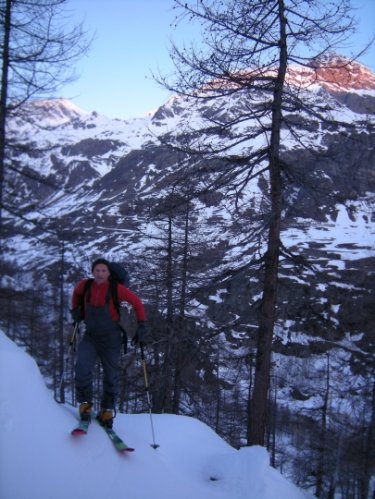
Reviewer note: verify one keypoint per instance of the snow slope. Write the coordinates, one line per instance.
(39, 459)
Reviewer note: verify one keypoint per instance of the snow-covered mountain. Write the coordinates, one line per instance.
(110, 187)
(104, 177)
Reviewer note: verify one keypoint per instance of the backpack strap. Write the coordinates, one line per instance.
(114, 294)
(85, 296)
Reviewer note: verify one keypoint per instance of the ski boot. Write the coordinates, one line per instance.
(105, 418)
(85, 411)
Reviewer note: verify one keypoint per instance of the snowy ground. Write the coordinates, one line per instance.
(39, 459)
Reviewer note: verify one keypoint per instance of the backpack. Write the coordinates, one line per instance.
(119, 274)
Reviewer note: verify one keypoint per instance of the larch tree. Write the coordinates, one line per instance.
(244, 56)
(39, 47)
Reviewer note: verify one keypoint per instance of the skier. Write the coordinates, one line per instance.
(102, 338)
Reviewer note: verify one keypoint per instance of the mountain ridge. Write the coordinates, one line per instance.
(337, 75)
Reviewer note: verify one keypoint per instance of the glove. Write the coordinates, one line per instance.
(76, 314)
(141, 334)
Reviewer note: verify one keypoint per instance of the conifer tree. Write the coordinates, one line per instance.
(247, 48)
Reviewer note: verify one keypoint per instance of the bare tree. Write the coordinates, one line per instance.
(169, 250)
(39, 47)
(246, 53)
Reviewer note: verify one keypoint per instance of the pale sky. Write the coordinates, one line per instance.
(132, 41)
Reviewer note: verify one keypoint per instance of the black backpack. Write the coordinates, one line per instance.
(119, 274)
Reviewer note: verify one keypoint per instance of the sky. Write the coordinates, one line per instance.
(132, 40)
(40, 459)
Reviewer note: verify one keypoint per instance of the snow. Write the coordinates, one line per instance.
(39, 459)
(351, 237)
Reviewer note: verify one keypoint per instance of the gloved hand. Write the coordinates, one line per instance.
(76, 314)
(141, 334)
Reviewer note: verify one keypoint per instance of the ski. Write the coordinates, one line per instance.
(119, 444)
(81, 428)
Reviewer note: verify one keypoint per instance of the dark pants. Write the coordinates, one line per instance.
(102, 340)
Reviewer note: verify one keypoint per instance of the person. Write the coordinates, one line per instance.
(102, 339)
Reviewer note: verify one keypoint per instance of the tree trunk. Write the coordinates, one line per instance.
(182, 325)
(61, 306)
(4, 97)
(369, 450)
(258, 412)
(323, 437)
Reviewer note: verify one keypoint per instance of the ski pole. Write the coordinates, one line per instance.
(145, 377)
(71, 343)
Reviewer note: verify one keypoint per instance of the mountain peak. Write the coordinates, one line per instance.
(337, 74)
(334, 73)
(54, 112)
